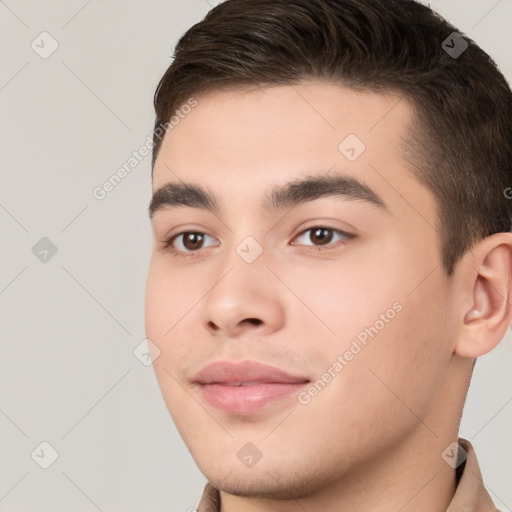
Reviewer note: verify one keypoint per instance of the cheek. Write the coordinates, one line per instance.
(170, 295)
(165, 312)
(168, 314)
(384, 379)
(404, 364)
(339, 301)
(392, 339)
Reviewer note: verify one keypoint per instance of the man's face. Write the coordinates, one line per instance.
(344, 294)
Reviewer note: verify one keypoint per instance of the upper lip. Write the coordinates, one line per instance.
(226, 372)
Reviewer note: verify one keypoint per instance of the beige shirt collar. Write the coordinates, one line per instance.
(470, 495)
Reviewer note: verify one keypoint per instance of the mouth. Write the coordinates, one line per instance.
(246, 387)
(242, 383)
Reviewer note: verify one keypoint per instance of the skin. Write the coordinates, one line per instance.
(372, 438)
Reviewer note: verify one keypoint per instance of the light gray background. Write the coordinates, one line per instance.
(68, 375)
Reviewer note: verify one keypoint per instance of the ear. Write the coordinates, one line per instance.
(486, 312)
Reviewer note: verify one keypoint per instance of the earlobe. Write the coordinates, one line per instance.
(489, 278)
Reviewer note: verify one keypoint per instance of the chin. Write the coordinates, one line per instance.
(267, 484)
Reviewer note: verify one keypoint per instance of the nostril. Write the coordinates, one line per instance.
(212, 326)
(254, 321)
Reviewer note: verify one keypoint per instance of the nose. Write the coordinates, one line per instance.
(245, 299)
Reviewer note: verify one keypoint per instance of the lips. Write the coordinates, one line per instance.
(246, 387)
(244, 373)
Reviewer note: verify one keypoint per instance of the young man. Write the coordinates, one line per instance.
(332, 252)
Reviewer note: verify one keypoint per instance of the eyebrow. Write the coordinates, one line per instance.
(309, 188)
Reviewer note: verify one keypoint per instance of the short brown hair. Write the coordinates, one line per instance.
(460, 146)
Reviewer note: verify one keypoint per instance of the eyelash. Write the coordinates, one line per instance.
(167, 244)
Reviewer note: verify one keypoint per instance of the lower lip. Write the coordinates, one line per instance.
(247, 399)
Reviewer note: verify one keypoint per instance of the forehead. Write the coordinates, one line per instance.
(239, 143)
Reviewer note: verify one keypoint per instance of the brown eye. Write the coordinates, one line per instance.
(192, 240)
(187, 243)
(320, 236)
